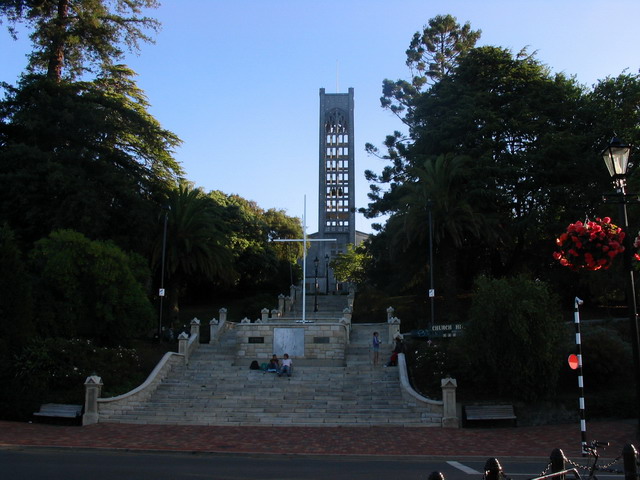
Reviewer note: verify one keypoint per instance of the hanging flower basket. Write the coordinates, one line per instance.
(636, 247)
(590, 245)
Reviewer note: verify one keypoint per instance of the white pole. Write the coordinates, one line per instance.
(583, 422)
(304, 255)
(304, 261)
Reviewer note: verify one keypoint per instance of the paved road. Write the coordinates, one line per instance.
(108, 451)
(57, 464)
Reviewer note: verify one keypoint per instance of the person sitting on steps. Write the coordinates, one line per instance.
(399, 348)
(287, 365)
(274, 364)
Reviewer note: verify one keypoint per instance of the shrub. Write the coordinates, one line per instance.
(512, 337)
(55, 369)
(606, 358)
(87, 289)
(427, 363)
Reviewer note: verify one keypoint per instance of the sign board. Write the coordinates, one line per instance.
(161, 292)
(432, 292)
(439, 331)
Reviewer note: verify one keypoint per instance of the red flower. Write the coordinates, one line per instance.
(592, 245)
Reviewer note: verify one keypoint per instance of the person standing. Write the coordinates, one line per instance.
(376, 348)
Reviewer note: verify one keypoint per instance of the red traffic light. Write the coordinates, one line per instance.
(574, 361)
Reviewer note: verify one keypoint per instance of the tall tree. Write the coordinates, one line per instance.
(86, 156)
(530, 139)
(262, 264)
(524, 131)
(196, 243)
(83, 155)
(352, 265)
(432, 54)
(71, 37)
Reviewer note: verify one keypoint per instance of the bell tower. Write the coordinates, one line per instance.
(336, 190)
(336, 203)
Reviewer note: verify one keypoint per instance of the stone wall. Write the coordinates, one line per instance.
(322, 341)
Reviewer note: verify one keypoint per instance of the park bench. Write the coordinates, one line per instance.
(59, 413)
(486, 415)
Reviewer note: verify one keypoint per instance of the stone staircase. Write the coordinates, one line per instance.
(329, 307)
(211, 390)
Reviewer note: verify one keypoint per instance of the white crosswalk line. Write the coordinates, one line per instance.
(464, 468)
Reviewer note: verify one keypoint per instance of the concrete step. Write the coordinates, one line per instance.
(212, 390)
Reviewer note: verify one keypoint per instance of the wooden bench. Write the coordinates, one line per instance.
(489, 414)
(61, 412)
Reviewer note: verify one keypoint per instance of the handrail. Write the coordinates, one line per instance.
(404, 383)
(157, 372)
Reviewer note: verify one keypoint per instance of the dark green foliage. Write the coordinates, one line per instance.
(607, 359)
(54, 370)
(427, 366)
(511, 340)
(432, 54)
(84, 156)
(72, 37)
(16, 303)
(352, 265)
(16, 311)
(507, 154)
(86, 288)
(263, 265)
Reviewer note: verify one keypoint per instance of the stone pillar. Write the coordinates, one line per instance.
(281, 303)
(195, 327)
(245, 320)
(346, 314)
(350, 299)
(450, 412)
(92, 389)
(223, 314)
(287, 304)
(265, 314)
(213, 329)
(183, 346)
(390, 312)
(275, 313)
(292, 292)
(394, 328)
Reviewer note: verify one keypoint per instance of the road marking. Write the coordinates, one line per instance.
(464, 468)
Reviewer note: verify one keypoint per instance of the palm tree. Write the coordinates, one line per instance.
(195, 243)
(440, 184)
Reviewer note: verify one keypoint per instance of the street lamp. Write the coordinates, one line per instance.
(315, 302)
(616, 158)
(326, 269)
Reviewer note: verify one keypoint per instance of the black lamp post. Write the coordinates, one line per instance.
(432, 291)
(616, 157)
(326, 269)
(161, 291)
(315, 301)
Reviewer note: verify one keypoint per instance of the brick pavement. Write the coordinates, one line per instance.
(483, 442)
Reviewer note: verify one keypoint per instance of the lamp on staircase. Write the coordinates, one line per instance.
(315, 301)
(326, 269)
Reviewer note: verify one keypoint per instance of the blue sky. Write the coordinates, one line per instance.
(238, 80)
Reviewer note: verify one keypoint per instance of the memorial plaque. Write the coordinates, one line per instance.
(288, 340)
